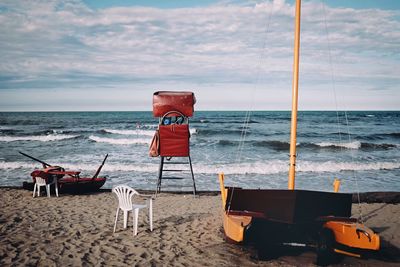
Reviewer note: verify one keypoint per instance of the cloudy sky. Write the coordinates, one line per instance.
(78, 55)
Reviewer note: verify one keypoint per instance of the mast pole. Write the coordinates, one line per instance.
(295, 86)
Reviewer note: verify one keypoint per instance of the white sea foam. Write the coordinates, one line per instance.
(42, 138)
(331, 166)
(270, 167)
(280, 166)
(18, 165)
(350, 145)
(151, 126)
(124, 141)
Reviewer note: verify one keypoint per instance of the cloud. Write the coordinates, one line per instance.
(65, 44)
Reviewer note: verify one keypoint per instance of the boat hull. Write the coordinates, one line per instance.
(75, 185)
(354, 235)
(235, 227)
(269, 218)
(254, 215)
(288, 206)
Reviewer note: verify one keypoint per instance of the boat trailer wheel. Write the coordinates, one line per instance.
(325, 247)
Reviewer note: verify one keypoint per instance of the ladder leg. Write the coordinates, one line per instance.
(160, 171)
(191, 170)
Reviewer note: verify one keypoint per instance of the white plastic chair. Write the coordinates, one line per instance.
(39, 181)
(125, 196)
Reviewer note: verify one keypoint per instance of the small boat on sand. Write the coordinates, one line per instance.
(68, 181)
(271, 218)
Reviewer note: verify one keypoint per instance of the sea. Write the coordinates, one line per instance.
(361, 148)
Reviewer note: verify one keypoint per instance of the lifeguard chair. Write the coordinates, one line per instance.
(173, 110)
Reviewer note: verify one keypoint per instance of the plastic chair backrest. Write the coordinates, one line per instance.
(40, 181)
(125, 195)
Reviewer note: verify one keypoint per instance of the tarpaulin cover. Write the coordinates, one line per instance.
(174, 140)
(165, 101)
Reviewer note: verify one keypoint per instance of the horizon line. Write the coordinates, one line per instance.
(207, 110)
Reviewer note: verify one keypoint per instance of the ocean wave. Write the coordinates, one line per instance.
(140, 132)
(131, 132)
(358, 145)
(350, 145)
(115, 141)
(149, 126)
(42, 138)
(46, 132)
(2, 127)
(211, 132)
(259, 167)
(281, 166)
(331, 166)
(227, 142)
(276, 145)
(84, 167)
(378, 136)
(10, 131)
(379, 146)
(283, 145)
(17, 165)
(57, 131)
(228, 122)
(397, 135)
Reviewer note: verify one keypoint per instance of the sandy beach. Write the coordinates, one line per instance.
(77, 230)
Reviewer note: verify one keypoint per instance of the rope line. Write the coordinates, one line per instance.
(246, 122)
(355, 178)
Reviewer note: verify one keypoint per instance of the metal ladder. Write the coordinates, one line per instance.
(167, 161)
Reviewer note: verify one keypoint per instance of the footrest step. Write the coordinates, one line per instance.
(175, 186)
(172, 178)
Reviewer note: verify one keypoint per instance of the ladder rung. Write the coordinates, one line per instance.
(176, 170)
(167, 162)
(175, 186)
(172, 178)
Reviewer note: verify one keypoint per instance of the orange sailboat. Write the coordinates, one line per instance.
(273, 217)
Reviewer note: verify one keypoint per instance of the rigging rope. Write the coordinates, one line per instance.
(355, 177)
(337, 114)
(246, 121)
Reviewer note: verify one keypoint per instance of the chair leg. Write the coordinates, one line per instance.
(38, 190)
(191, 170)
(160, 172)
(48, 190)
(56, 187)
(116, 219)
(135, 223)
(151, 214)
(34, 189)
(125, 219)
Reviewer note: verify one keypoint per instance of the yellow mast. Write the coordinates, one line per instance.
(295, 86)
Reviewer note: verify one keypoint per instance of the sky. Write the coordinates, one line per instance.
(112, 55)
